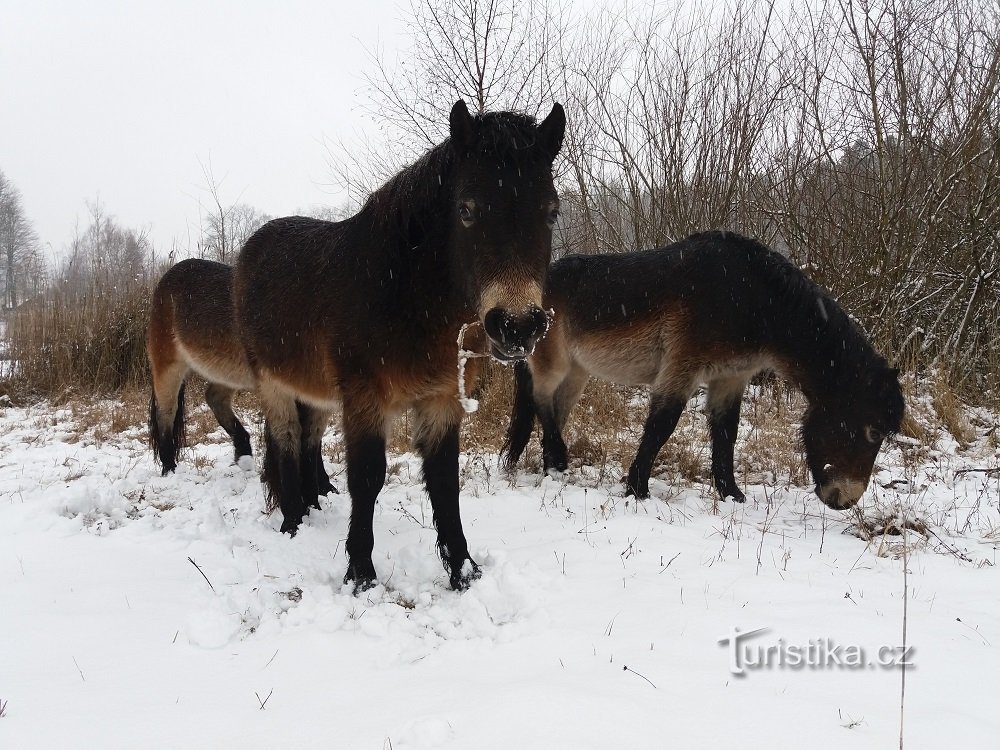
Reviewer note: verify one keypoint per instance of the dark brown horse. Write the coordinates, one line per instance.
(367, 311)
(191, 328)
(714, 309)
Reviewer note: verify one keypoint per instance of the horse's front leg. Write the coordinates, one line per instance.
(436, 440)
(364, 435)
(724, 400)
(664, 411)
(315, 480)
(555, 455)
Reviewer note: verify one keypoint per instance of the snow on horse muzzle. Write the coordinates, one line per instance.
(513, 335)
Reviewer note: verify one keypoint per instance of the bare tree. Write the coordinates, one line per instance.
(22, 266)
(225, 228)
(494, 54)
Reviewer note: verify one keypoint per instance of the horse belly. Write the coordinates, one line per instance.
(629, 359)
(225, 364)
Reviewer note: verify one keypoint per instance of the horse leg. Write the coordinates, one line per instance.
(725, 396)
(323, 483)
(319, 419)
(664, 411)
(555, 454)
(220, 401)
(166, 412)
(282, 458)
(313, 423)
(436, 440)
(364, 436)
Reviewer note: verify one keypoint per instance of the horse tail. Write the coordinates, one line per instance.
(522, 416)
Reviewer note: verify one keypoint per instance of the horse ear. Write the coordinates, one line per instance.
(551, 131)
(462, 125)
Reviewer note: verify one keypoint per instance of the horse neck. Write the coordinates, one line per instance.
(413, 278)
(825, 354)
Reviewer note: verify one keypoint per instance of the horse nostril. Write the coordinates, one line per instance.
(540, 324)
(498, 325)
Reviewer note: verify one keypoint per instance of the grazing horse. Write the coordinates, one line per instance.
(191, 328)
(367, 312)
(715, 309)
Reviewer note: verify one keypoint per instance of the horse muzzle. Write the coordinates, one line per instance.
(841, 493)
(513, 335)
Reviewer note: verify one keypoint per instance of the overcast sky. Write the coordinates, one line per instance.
(126, 101)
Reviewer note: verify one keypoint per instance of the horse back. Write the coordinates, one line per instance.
(192, 321)
(315, 339)
(713, 303)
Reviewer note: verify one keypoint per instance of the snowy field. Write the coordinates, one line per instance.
(141, 611)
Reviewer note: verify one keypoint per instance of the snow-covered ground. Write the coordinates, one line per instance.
(596, 624)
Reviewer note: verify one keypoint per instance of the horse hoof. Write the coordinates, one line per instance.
(290, 526)
(555, 465)
(732, 494)
(362, 576)
(639, 493)
(327, 488)
(463, 577)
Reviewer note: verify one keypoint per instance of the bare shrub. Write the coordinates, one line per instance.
(87, 332)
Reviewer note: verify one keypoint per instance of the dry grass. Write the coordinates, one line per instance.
(951, 411)
(87, 342)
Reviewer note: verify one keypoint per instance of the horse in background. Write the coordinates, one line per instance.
(366, 312)
(191, 329)
(716, 309)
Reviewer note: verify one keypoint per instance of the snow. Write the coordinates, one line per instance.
(114, 638)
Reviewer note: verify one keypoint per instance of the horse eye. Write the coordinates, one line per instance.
(872, 435)
(553, 215)
(465, 214)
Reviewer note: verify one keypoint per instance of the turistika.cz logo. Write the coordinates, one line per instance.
(747, 654)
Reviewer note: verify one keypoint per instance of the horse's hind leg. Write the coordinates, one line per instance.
(166, 411)
(664, 411)
(436, 440)
(725, 396)
(364, 437)
(220, 401)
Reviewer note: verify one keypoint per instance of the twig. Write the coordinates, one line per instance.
(264, 702)
(203, 575)
(3, 709)
(906, 598)
(271, 659)
(626, 669)
(670, 561)
(991, 471)
(79, 670)
(611, 625)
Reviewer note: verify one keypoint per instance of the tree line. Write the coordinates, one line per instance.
(859, 137)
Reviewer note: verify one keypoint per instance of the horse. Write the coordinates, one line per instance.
(367, 312)
(716, 309)
(191, 328)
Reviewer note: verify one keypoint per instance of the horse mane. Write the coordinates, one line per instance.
(413, 202)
